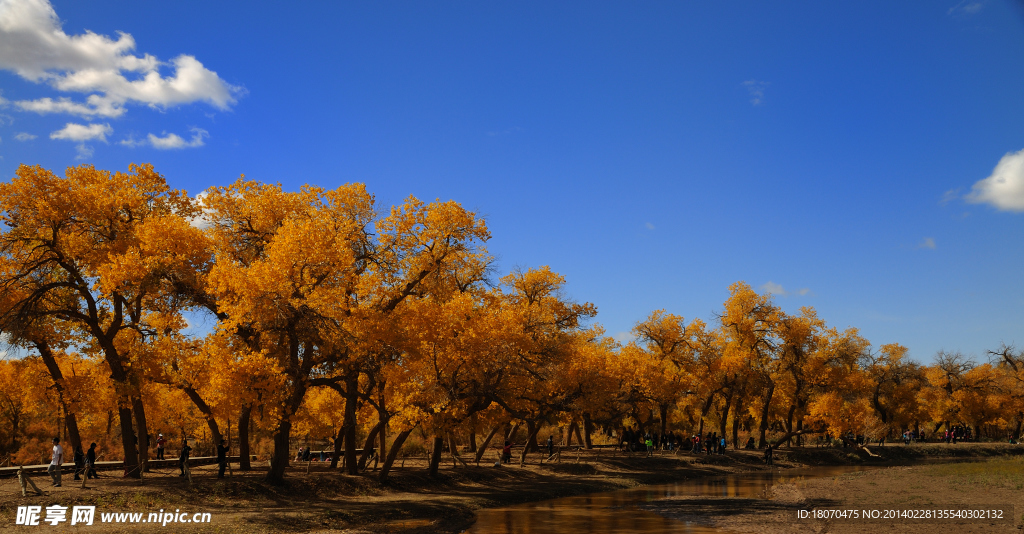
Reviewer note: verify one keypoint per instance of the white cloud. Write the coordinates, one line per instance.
(34, 45)
(928, 243)
(169, 141)
(624, 337)
(95, 106)
(756, 89)
(1004, 188)
(968, 7)
(82, 132)
(777, 289)
(83, 150)
(24, 136)
(173, 141)
(131, 142)
(949, 196)
(649, 226)
(203, 220)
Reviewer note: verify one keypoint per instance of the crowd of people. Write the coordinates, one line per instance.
(85, 461)
(633, 440)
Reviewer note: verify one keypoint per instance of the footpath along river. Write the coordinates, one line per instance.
(615, 512)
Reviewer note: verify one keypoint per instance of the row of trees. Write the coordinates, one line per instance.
(325, 316)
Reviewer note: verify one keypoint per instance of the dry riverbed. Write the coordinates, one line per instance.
(910, 493)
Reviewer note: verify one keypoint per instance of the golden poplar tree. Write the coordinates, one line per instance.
(92, 248)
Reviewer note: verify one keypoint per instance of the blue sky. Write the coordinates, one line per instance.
(864, 158)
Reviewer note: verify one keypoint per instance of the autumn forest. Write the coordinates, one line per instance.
(271, 317)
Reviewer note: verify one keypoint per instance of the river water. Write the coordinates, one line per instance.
(613, 512)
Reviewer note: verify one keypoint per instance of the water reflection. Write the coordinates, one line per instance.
(612, 512)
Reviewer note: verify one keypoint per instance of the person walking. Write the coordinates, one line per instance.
(56, 459)
(506, 452)
(551, 446)
(90, 462)
(160, 441)
(768, 453)
(222, 457)
(183, 456)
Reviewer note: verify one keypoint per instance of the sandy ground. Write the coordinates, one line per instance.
(324, 500)
(985, 484)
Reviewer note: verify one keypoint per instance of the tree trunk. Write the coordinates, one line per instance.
(131, 454)
(453, 448)
(1020, 422)
(207, 412)
(282, 445)
(338, 440)
(472, 433)
(244, 456)
(511, 436)
(735, 432)
(723, 424)
(382, 435)
(789, 435)
(368, 445)
(382, 419)
(435, 456)
(579, 438)
(71, 426)
(282, 453)
(588, 427)
(15, 418)
(531, 438)
(70, 422)
(487, 441)
(393, 453)
(143, 430)
(568, 434)
(704, 413)
(122, 384)
(351, 398)
(789, 423)
(764, 416)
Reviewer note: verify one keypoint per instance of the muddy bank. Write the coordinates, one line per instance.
(327, 501)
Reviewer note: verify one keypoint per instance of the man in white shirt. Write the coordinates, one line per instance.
(55, 462)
